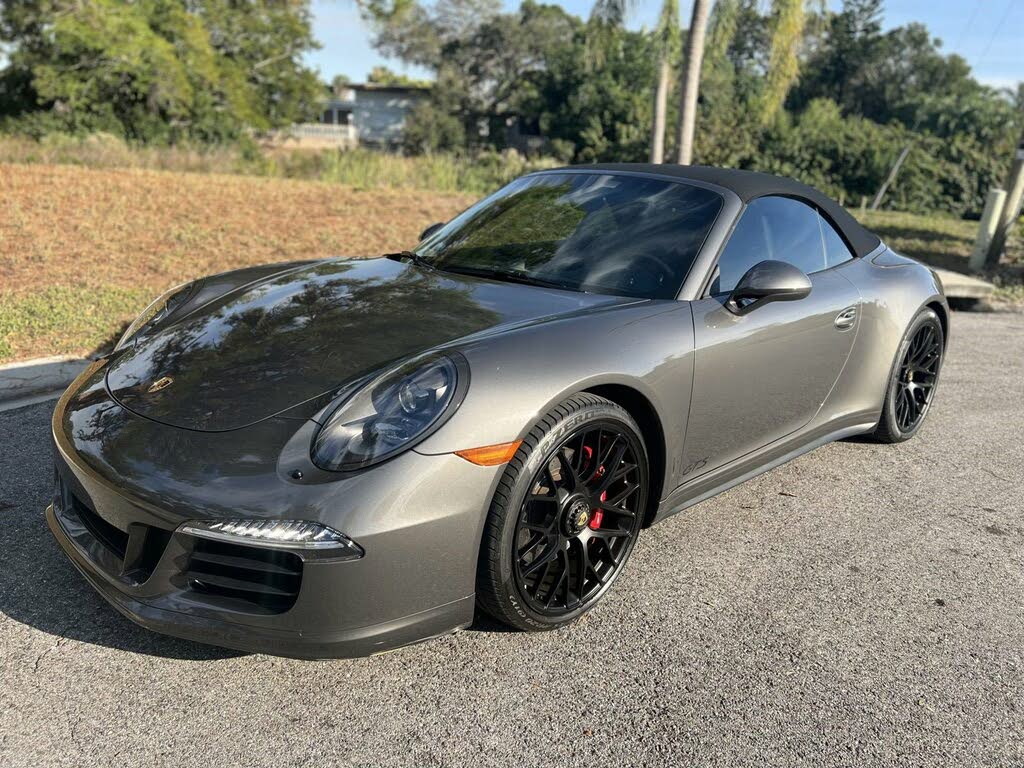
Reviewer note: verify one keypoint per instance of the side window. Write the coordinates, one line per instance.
(748, 244)
(836, 251)
(777, 228)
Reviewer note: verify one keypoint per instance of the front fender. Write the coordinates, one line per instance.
(518, 376)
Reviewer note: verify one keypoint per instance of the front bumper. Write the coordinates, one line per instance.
(118, 508)
(200, 626)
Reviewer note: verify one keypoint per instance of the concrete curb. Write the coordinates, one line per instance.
(43, 375)
(958, 286)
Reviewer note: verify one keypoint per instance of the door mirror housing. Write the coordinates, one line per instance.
(765, 282)
(430, 230)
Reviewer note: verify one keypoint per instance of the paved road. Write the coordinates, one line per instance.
(861, 605)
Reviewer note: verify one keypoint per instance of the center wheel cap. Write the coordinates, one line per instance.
(576, 515)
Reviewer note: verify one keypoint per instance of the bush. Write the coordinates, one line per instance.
(430, 129)
(850, 157)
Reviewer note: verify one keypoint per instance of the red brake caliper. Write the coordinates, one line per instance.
(596, 515)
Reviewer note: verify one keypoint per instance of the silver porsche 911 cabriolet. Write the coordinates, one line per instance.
(339, 457)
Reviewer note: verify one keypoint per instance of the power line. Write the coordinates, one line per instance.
(970, 23)
(995, 32)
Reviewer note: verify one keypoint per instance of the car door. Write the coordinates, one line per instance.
(763, 375)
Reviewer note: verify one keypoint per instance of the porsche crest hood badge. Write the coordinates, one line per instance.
(161, 383)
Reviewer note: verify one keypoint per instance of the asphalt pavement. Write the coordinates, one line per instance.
(862, 605)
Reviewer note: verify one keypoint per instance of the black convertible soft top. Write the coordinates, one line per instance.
(749, 185)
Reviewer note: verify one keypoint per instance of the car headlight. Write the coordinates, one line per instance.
(159, 310)
(392, 413)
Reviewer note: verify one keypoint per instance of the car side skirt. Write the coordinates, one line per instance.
(761, 461)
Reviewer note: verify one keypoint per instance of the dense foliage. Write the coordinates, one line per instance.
(788, 86)
(826, 97)
(156, 70)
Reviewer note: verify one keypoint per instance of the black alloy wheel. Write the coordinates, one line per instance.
(560, 536)
(914, 379)
(578, 521)
(918, 374)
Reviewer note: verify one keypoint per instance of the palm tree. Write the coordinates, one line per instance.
(787, 32)
(604, 17)
(613, 12)
(690, 82)
(665, 37)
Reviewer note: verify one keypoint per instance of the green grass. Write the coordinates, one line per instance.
(62, 319)
(946, 243)
(941, 241)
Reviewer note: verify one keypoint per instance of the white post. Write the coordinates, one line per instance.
(1011, 210)
(990, 217)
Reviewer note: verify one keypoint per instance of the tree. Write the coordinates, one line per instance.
(690, 81)
(666, 37)
(787, 33)
(612, 14)
(381, 75)
(158, 70)
(484, 62)
(596, 113)
(339, 83)
(844, 68)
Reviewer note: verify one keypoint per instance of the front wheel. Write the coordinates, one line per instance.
(913, 380)
(565, 517)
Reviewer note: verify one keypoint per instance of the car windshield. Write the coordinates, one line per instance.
(600, 233)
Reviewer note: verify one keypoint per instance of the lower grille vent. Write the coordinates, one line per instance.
(112, 538)
(264, 578)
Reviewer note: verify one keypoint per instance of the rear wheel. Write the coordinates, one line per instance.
(913, 380)
(565, 517)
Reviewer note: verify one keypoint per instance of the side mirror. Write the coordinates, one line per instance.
(430, 230)
(765, 282)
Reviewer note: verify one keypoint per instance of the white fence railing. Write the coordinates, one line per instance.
(343, 134)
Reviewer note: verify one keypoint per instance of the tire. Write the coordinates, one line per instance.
(922, 364)
(528, 542)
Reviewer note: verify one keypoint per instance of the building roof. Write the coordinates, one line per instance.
(389, 87)
(749, 185)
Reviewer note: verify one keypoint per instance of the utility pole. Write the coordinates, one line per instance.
(1011, 208)
(890, 178)
(691, 81)
(660, 99)
(995, 201)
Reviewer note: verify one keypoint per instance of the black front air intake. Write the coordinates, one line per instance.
(255, 578)
(110, 537)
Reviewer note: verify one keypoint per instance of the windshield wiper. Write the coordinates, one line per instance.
(412, 256)
(510, 276)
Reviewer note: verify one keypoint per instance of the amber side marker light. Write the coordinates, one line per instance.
(490, 455)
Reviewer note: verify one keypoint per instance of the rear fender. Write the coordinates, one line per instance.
(893, 290)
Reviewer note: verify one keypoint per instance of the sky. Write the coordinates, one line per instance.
(989, 34)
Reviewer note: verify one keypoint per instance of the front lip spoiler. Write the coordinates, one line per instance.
(348, 643)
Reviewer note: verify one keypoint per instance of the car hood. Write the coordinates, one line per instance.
(298, 335)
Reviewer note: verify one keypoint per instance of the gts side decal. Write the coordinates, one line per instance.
(699, 464)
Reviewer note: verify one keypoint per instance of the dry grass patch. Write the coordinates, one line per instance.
(81, 250)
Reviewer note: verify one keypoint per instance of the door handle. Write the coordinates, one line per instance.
(846, 319)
